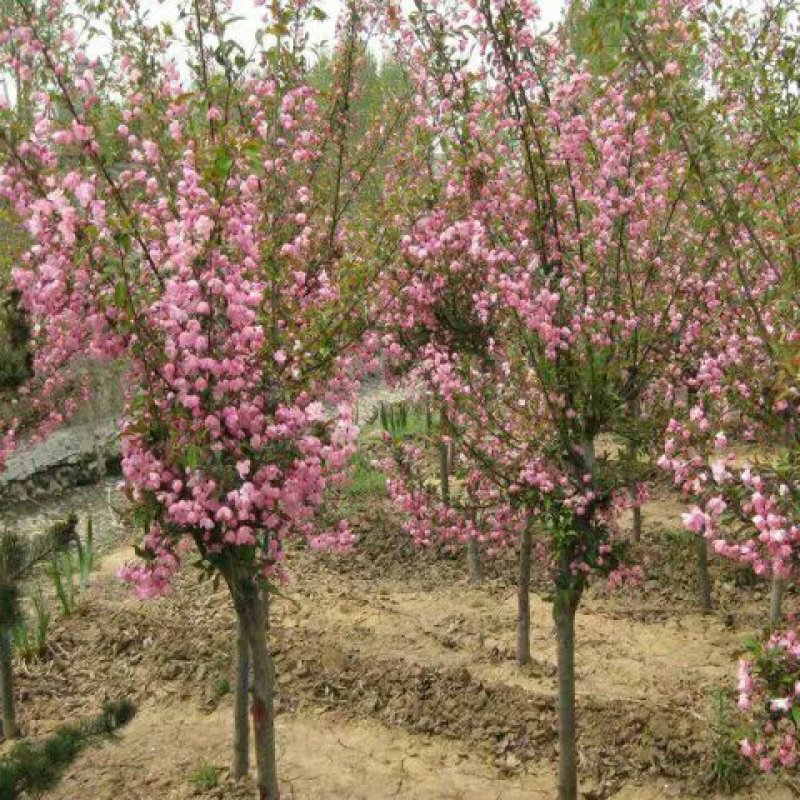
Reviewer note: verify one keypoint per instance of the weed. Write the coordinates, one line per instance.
(62, 572)
(728, 769)
(205, 777)
(86, 555)
(30, 642)
(34, 767)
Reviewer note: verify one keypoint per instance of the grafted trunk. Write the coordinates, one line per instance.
(524, 599)
(776, 601)
(10, 729)
(565, 606)
(253, 609)
(241, 721)
(703, 577)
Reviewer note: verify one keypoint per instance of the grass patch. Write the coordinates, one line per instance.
(205, 777)
(33, 767)
(728, 768)
(364, 481)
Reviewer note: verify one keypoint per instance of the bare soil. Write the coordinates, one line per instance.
(397, 680)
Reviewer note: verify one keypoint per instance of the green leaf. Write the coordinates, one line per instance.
(121, 296)
(223, 161)
(192, 457)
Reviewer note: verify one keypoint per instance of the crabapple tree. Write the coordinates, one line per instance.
(204, 237)
(559, 274)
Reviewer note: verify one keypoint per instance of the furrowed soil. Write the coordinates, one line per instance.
(397, 678)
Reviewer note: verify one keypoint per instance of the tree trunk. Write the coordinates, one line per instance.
(633, 483)
(254, 610)
(241, 721)
(564, 607)
(524, 599)
(444, 472)
(703, 578)
(637, 516)
(474, 559)
(10, 729)
(776, 601)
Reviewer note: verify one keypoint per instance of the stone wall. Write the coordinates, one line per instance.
(74, 456)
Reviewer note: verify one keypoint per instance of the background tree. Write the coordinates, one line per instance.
(558, 275)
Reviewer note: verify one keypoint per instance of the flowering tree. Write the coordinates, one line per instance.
(736, 122)
(560, 275)
(203, 236)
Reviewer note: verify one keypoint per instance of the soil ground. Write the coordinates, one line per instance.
(397, 679)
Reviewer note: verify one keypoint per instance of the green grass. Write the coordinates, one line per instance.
(33, 767)
(205, 777)
(365, 481)
(30, 636)
(728, 770)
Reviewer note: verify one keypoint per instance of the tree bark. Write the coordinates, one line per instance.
(637, 516)
(703, 578)
(776, 601)
(444, 472)
(564, 608)
(633, 484)
(254, 609)
(524, 599)
(474, 559)
(241, 721)
(10, 729)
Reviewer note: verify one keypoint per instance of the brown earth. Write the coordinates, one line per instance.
(397, 680)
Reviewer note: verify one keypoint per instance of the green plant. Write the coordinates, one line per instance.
(62, 572)
(222, 687)
(727, 770)
(86, 555)
(31, 642)
(205, 777)
(365, 480)
(33, 767)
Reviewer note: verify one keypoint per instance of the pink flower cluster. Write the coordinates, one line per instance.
(769, 697)
(205, 260)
